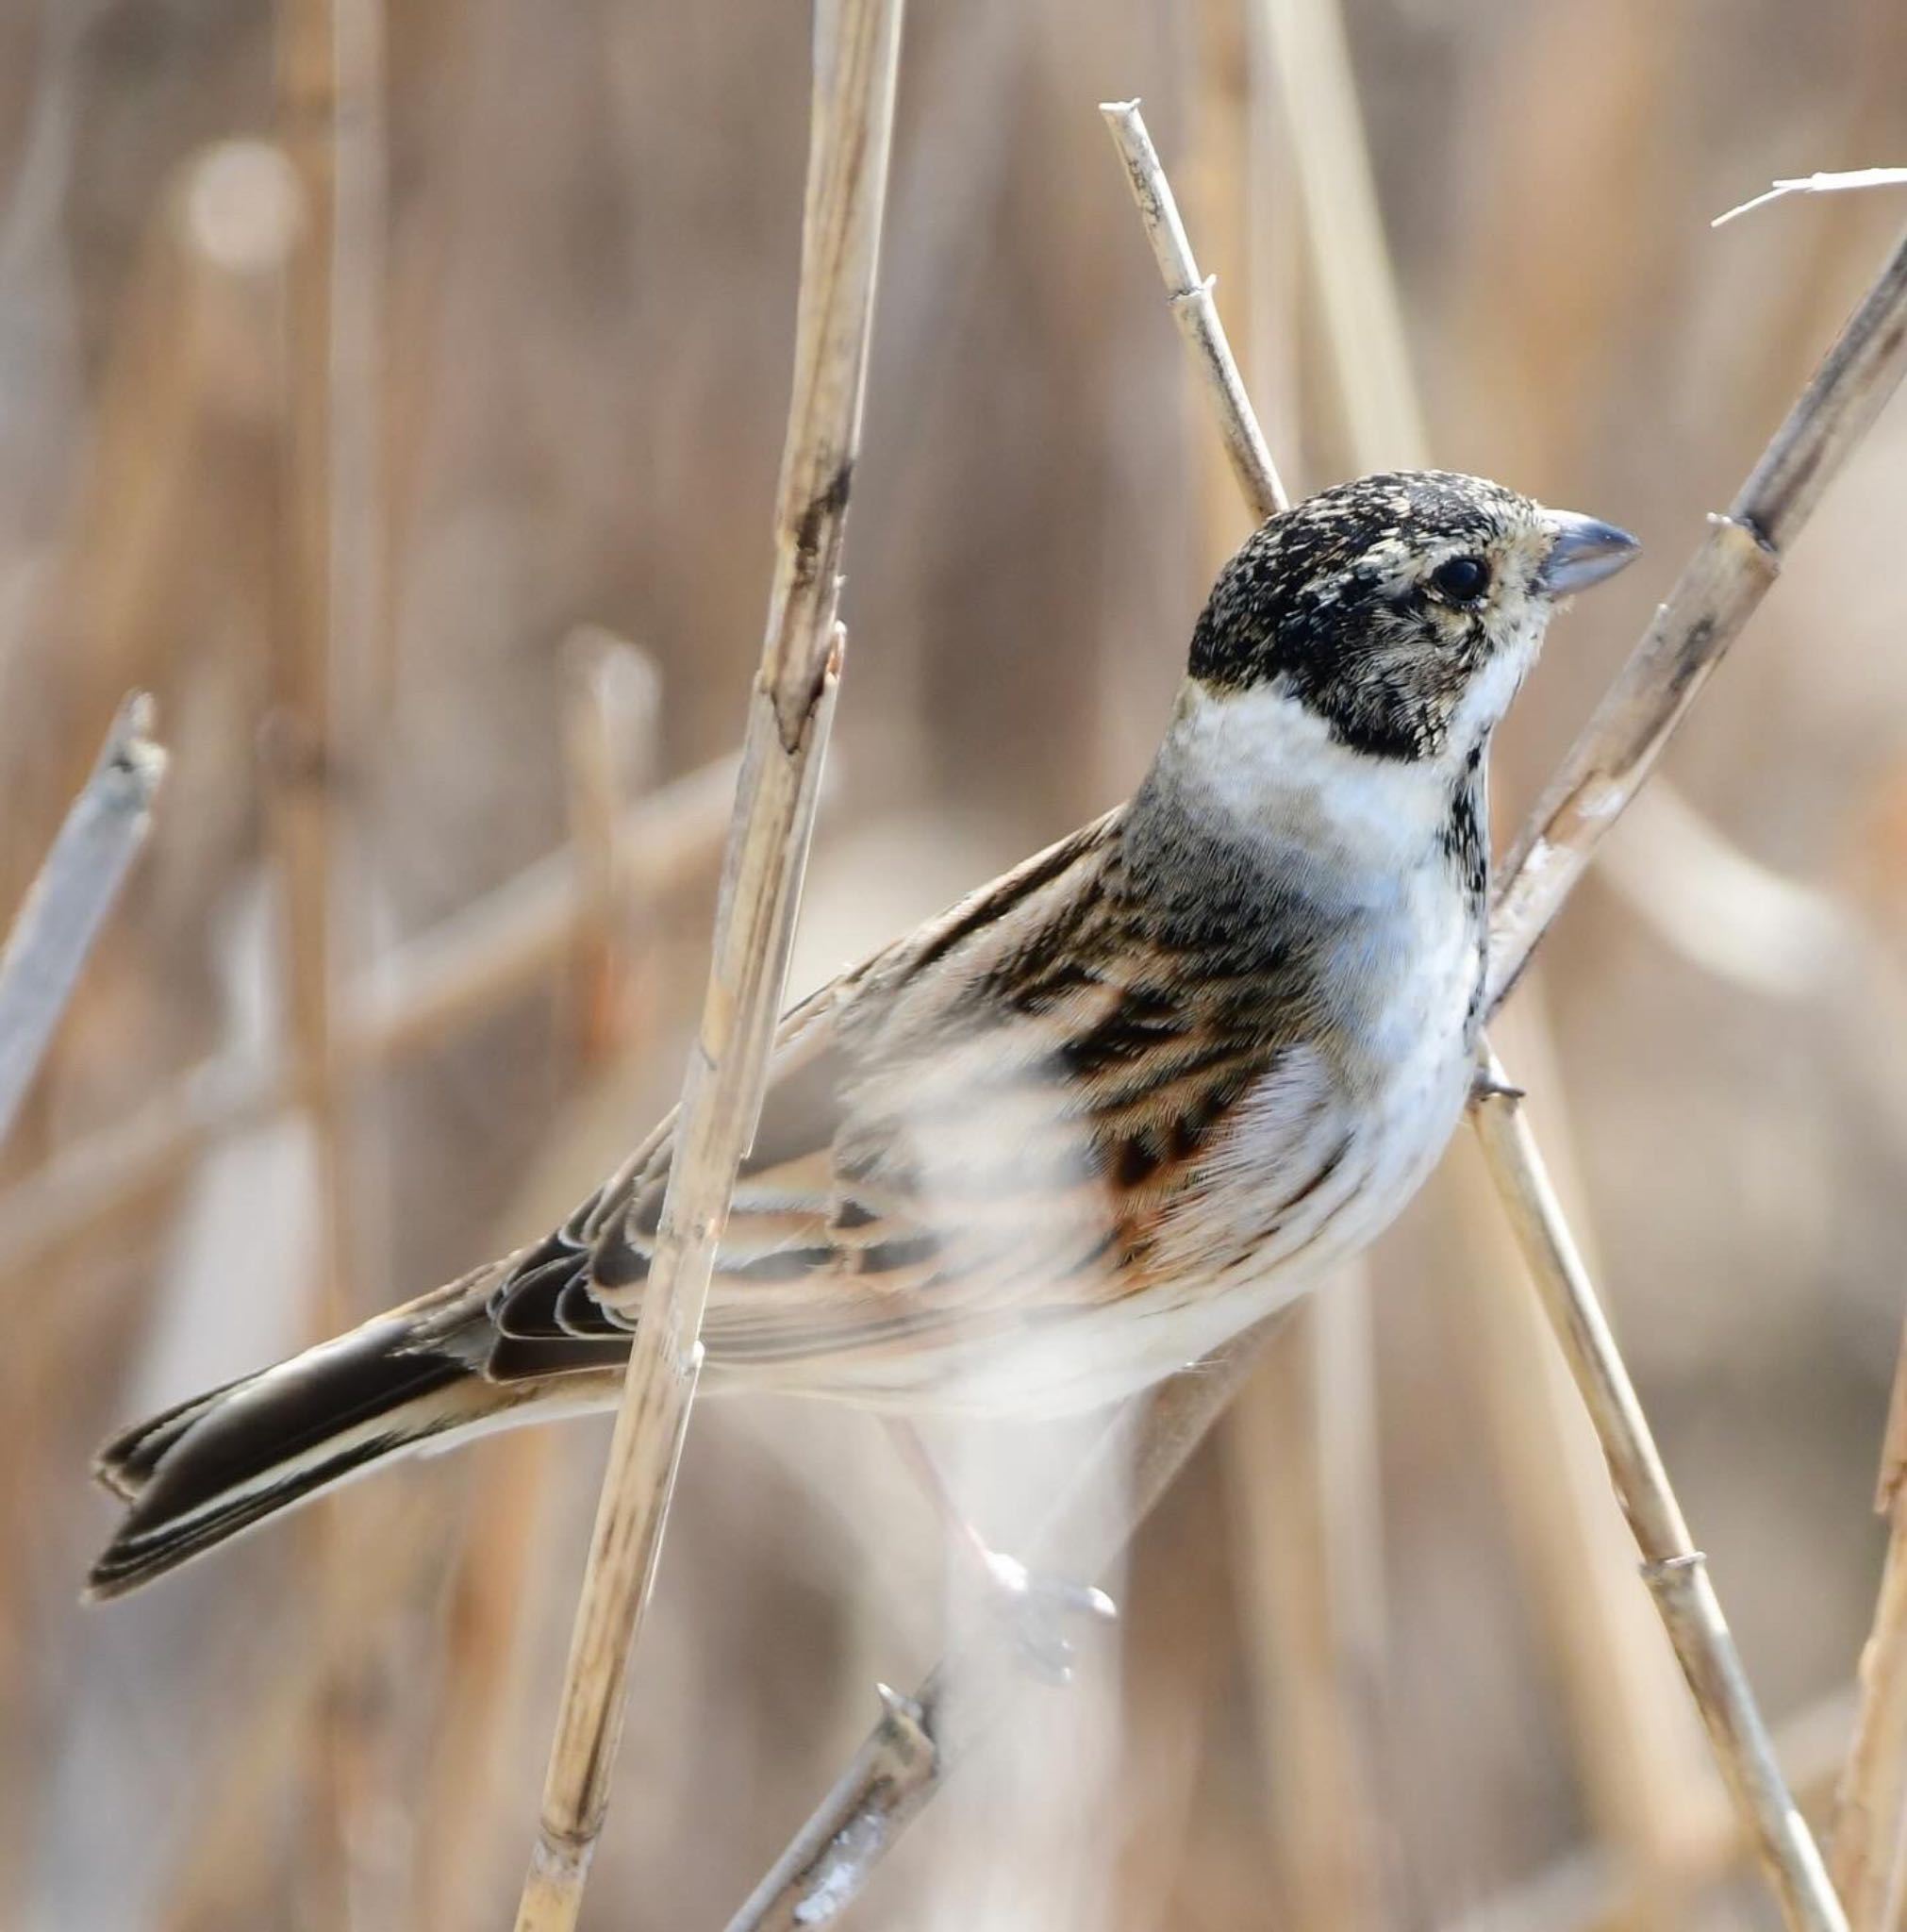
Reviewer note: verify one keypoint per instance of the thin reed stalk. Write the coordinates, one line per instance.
(54, 928)
(1189, 295)
(1675, 1570)
(856, 62)
(1717, 593)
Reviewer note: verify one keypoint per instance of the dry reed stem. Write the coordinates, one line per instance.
(1636, 1746)
(856, 62)
(1674, 1569)
(1325, 123)
(1193, 309)
(1715, 596)
(881, 1791)
(1868, 1845)
(60, 917)
(435, 987)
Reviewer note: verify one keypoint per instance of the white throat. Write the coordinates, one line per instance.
(1262, 767)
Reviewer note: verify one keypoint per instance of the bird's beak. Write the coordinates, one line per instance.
(1585, 551)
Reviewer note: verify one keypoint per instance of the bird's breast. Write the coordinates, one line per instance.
(1325, 1149)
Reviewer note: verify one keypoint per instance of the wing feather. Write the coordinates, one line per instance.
(981, 1127)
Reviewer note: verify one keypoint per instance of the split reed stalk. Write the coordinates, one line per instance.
(856, 60)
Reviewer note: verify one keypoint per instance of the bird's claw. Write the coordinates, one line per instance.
(1485, 1084)
(1039, 1609)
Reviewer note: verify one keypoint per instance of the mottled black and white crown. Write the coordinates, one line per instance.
(1403, 608)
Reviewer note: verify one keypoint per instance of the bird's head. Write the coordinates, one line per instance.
(1403, 610)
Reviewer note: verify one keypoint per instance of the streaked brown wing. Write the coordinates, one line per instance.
(977, 1128)
(876, 1080)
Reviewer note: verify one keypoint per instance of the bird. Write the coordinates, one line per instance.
(1074, 1134)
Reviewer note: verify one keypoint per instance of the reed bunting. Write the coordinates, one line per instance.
(1092, 1122)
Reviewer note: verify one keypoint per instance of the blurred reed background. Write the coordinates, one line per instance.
(397, 395)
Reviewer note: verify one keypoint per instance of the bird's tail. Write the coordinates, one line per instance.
(221, 1462)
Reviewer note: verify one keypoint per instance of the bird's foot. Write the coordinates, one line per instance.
(1488, 1084)
(1037, 1610)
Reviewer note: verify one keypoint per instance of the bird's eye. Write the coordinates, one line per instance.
(1462, 579)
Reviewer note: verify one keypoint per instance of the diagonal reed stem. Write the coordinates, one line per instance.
(857, 58)
(1675, 1570)
(1189, 295)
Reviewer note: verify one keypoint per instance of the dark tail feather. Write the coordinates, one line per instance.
(216, 1465)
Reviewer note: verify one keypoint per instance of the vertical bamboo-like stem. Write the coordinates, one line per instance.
(56, 926)
(856, 59)
(1675, 1570)
(1635, 1745)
